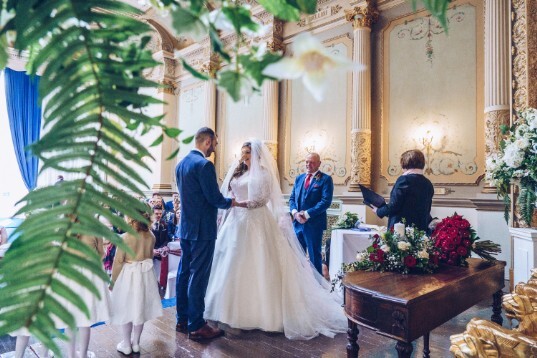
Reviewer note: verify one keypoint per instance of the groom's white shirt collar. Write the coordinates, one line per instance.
(197, 150)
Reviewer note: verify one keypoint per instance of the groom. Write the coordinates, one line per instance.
(200, 200)
(309, 200)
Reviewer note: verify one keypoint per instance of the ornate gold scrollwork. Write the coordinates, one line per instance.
(360, 159)
(363, 16)
(483, 338)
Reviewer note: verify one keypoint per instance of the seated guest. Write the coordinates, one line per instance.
(412, 195)
(170, 204)
(159, 228)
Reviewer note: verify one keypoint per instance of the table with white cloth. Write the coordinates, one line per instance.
(344, 245)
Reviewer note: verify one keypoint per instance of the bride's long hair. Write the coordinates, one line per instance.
(241, 167)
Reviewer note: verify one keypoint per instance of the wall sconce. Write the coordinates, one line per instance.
(315, 141)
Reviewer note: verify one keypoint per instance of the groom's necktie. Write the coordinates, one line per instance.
(308, 180)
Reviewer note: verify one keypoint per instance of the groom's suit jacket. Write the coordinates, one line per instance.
(200, 197)
(315, 200)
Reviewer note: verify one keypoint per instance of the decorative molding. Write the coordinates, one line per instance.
(363, 16)
(272, 147)
(493, 134)
(519, 55)
(360, 159)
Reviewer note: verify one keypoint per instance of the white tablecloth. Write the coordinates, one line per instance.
(344, 246)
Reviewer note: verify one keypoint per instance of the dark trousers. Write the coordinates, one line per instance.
(311, 241)
(192, 280)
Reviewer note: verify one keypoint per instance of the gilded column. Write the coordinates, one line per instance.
(210, 68)
(163, 176)
(362, 18)
(497, 82)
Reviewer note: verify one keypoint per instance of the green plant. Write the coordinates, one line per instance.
(346, 221)
(92, 54)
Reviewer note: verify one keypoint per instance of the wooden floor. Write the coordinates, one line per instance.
(159, 339)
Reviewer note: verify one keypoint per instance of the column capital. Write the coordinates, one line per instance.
(212, 65)
(363, 16)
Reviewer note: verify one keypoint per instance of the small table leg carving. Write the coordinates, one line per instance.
(426, 351)
(352, 337)
(404, 349)
(497, 308)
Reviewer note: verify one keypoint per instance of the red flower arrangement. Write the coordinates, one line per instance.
(455, 240)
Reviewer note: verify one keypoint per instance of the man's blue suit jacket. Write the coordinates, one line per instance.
(200, 197)
(315, 200)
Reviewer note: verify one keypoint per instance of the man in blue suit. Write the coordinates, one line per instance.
(200, 200)
(309, 200)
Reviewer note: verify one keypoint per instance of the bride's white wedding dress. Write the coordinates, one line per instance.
(260, 280)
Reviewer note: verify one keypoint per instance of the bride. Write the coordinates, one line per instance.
(260, 277)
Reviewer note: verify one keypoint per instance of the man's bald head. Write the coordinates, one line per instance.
(313, 162)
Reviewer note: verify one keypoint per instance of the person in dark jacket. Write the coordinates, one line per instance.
(412, 195)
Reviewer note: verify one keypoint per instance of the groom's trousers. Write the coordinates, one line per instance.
(192, 280)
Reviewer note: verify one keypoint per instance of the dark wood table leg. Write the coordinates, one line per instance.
(352, 337)
(497, 308)
(426, 351)
(404, 349)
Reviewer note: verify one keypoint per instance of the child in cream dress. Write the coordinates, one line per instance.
(135, 296)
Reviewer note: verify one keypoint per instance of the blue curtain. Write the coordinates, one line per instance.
(24, 112)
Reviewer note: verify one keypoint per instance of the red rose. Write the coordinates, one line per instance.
(466, 242)
(461, 250)
(376, 236)
(375, 245)
(466, 234)
(451, 262)
(453, 255)
(377, 256)
(410, 261)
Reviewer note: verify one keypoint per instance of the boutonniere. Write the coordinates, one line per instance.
(317, 176)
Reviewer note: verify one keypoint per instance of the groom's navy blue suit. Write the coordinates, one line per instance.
(315, 200)
(200, 200)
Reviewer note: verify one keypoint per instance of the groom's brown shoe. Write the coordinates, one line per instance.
(205, 332)
(182, 327)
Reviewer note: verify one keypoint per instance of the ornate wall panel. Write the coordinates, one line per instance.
(191, 118)
(433, 94)
(322, 127)
(236, 123)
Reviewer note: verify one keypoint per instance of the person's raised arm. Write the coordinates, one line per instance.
(396, 200)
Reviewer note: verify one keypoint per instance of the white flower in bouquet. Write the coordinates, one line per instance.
(513, 156)
(361, 256)
(409, 231)
(385, 248)
(522, 143)
(423, 254)
(403, 245)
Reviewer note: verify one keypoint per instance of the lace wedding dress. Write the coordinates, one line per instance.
(260, 277)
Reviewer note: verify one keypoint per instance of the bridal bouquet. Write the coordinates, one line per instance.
(400, 250)
(517, 163)
(454, 240)
(347, 221)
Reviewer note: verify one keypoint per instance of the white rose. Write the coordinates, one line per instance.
(423, 254)
(385, 248)
(522, 143)
(361, 256)
(403, 245)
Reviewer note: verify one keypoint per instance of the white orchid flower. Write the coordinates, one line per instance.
(311, 61)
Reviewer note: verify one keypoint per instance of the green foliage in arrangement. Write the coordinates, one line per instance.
(91, 54)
